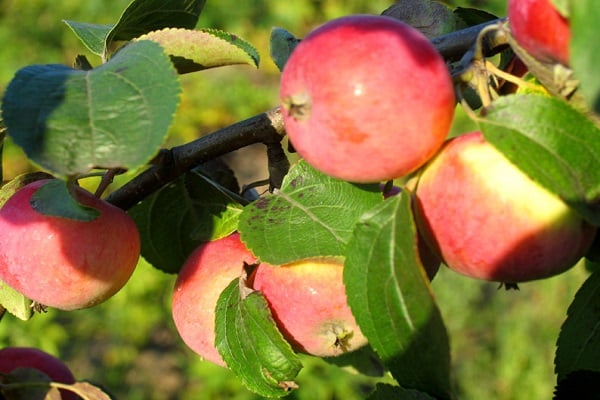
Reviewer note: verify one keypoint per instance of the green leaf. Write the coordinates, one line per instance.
(15, 303)
(585, 51)
(55, 199)
(115, 116)
(562, 6)
(176, 219)
(192, 50)
(282, 43)
(578, 342)
(93, 36)
(18, 183)
(143, 16)
(390, 297)
(552, 143)
(386, 392)
(311, 215)
(250, 343)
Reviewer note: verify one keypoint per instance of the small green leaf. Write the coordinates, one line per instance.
(578, 345)
(93, 36)
(552, 143)
(385, 391)
(390, 297)
(18, 183)
(192, 50)
(585, 50)
(250, 343)
(15, 303)
(176, 219)
(282, 43)
(311, 215)
(143, 16)
(115, 116)
(54, 199)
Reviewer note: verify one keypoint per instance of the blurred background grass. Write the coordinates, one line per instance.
(503, 342)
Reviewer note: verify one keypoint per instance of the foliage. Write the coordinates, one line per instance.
(79, 131)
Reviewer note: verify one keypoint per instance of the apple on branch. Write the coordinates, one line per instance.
(486, 219)
(366, 98)
(308, 301)
(540, 30)
(65, 263)
(204, 275)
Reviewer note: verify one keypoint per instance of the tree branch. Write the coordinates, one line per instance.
(266, 128)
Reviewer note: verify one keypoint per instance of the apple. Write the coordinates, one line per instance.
(486, 219)
(540, 29)
(64, 263)
(29, 357)
(366, 98)
(308, 301)
(204, 275)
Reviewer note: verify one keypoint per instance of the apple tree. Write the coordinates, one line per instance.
(367, 195)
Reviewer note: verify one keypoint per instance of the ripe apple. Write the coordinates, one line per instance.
(488, 220)
(204, 275)
(366, 98)
(540, 30)
(64, 263)
(308, 301)
(29, 357)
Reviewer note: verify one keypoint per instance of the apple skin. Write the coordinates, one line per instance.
(204, 275)
(308, 302)
(63, 263)
(486, 219)
(30, 357)
(540, 30)
(366, 98)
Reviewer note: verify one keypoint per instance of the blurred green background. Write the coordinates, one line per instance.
(503, 342)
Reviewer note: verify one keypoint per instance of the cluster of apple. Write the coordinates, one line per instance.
(306, 298)
(368, 98)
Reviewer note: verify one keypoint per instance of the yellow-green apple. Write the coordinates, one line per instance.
(308, 301)
(12, 358)
(65, 263)
(204, 275)
(486, 219)
(540, 29)
(366, 98)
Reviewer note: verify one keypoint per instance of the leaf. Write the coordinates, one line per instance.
(192, 50)
(251, 345)
(282, 43)
(578, 345)
(311, 215)
(28, 383)
(18, 183)
(93, 36)
(552, 143)
(115, 116)
(473, 16)
(176, 219)
(89, 391)
(386, 392)
(390, 297)
(143, 16)
(562, 6)
(15, 303)
(585, 51)
(54, 198)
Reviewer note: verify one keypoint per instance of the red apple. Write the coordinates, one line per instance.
(366, 98)
(29, 357)
(488, 220)
(540, 30)
(64, 263)
(308, 302)
(204, 275)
